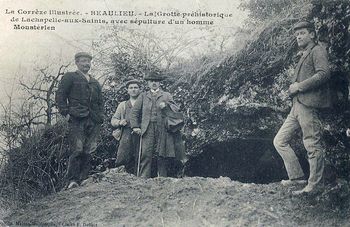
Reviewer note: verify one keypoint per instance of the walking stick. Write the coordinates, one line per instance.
(139, 159)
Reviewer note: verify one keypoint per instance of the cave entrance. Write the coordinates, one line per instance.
(244, 160)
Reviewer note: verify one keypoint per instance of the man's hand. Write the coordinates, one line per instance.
(162, 105)
(64, 112)
(348, 132)
(293, 88)
(136, 131)
(123, 122)
(63, 117)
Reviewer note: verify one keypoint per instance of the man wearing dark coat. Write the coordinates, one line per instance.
(149, 118)
(128, 141)
(310, 92)
(79, 95)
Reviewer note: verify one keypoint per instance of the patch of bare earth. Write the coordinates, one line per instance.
(120, 199)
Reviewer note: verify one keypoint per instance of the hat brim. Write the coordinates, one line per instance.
(82, 54)
(132, 82)
(302, 25)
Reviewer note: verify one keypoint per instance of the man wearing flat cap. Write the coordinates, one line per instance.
(128, 141)
(79, 95)
(148, 119)
(310, 92)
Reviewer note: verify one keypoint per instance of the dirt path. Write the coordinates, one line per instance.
(119, 199)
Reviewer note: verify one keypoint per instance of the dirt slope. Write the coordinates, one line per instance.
(119, 199)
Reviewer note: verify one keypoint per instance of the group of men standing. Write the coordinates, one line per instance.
(148, 124)
(145, 131)
(148, 121)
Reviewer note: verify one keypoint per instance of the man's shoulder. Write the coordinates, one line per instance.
(70, 74)
(319, 50)
(122, 103)
(121, 106)
(143, 94)
(93, 80)
(165, 93)
(68, 78)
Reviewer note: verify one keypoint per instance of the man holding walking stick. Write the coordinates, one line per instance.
(148, 118)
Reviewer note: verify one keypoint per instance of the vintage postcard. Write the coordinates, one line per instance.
(174, 113)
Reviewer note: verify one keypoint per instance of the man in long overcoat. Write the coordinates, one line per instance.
(310, 92)
(79, 95)
(149, 118)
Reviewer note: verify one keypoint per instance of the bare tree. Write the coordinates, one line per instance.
(41, 94)
(16, 122)
(141, 49)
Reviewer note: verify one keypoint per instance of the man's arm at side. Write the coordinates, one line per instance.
(117, 116)
(62, 94)
(100, 102)
(174, 107)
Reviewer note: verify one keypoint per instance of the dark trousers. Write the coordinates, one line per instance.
(149, 153)
(83, 135)
(128, 150)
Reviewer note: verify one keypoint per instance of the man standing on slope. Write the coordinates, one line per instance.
(80, 96)
(128, 141)
(310, 92)
(148, 118)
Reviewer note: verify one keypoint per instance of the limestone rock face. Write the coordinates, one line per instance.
(244, 97)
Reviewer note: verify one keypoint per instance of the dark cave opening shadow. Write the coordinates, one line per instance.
(244, 160)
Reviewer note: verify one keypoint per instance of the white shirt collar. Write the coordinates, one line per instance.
(155, 91)
(87, 76)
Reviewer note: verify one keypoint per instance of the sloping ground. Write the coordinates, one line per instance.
(119, 199)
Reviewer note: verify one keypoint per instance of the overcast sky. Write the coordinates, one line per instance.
(21, 50)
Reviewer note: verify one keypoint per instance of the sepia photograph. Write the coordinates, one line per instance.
(174, 113)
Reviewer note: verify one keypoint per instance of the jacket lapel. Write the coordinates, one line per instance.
(160, 93)
(81, 75)
(302, 59)
(128, 104)
(149, 95)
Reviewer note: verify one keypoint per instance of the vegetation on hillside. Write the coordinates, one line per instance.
(233, 95)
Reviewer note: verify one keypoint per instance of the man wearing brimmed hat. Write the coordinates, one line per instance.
(147, 119)
(79, 96)
(128, 141)
(310, 92)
